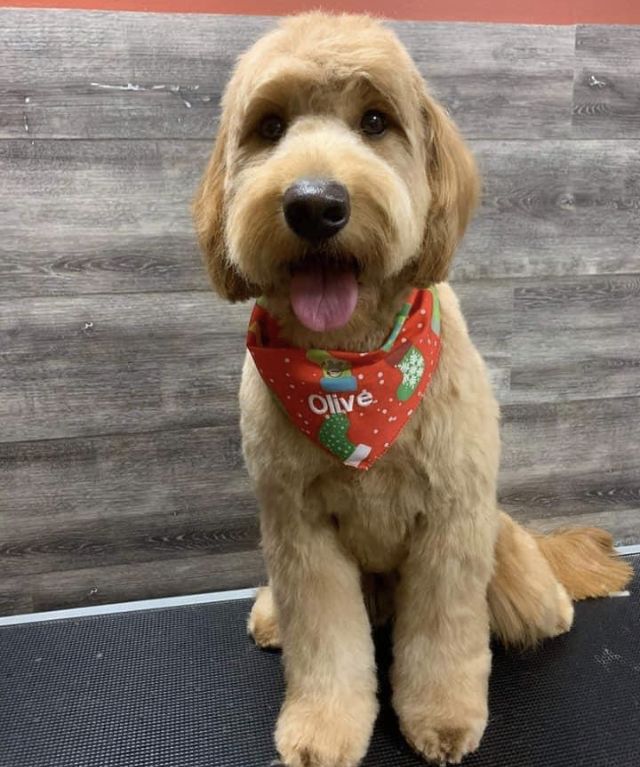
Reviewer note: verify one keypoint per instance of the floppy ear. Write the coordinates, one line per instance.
(209, 216)
(455, 185)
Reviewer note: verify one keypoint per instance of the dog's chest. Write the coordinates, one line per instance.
(374, 512)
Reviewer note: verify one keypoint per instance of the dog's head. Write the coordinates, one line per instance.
(333, 172)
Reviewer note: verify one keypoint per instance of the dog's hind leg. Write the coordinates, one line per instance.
(263, 620)
(536, 577)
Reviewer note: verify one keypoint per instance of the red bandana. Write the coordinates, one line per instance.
(352, 404)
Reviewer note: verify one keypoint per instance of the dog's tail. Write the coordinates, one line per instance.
(536, 577)
(584, 561)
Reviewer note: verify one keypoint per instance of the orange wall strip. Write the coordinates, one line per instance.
(514, 11)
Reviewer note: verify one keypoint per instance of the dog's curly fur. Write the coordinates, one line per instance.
(448, 564)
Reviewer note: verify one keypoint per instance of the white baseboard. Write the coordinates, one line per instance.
(127, 607)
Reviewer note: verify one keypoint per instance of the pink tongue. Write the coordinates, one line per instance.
(323, 299)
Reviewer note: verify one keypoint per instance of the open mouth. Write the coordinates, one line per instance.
(324, 291)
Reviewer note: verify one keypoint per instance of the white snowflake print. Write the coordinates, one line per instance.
(412, 367)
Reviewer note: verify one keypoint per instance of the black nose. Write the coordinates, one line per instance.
(316, 208)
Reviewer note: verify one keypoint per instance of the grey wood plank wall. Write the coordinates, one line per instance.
(121, 475)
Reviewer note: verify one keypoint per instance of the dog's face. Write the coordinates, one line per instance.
(333, 172)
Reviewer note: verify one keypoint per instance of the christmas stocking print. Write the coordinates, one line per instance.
(333, 436)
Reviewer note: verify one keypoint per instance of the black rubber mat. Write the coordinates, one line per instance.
(185, 687)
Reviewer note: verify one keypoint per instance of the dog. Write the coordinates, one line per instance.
(337, 187)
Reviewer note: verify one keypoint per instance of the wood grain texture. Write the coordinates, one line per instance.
(557, 495)
(18, 602)
(84, 217)
(573, 463)
(497, 82)
(120, 462)
(110, 75)
(116, 75)
(111, 364)
(488, 309)
(544, 438)
(576, 339)
(554, 208)
(104, 501)
(134, 580)
(607, 82)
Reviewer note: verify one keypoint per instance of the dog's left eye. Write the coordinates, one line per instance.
(272, 127)
(373, 123)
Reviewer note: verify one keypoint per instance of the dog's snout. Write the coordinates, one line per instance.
(316, 208)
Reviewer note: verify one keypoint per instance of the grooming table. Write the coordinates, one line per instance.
(185, 687)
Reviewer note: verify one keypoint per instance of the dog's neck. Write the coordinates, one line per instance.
(366, 331)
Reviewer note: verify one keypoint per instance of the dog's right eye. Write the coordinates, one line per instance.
(272, 128)
(374, 122)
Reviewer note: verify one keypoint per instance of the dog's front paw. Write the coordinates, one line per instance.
(445, 745)
(442, 740)
(325, 733)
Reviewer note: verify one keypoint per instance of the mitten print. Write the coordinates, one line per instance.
(412, 368)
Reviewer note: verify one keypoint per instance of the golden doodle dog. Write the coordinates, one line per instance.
(337, 191)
